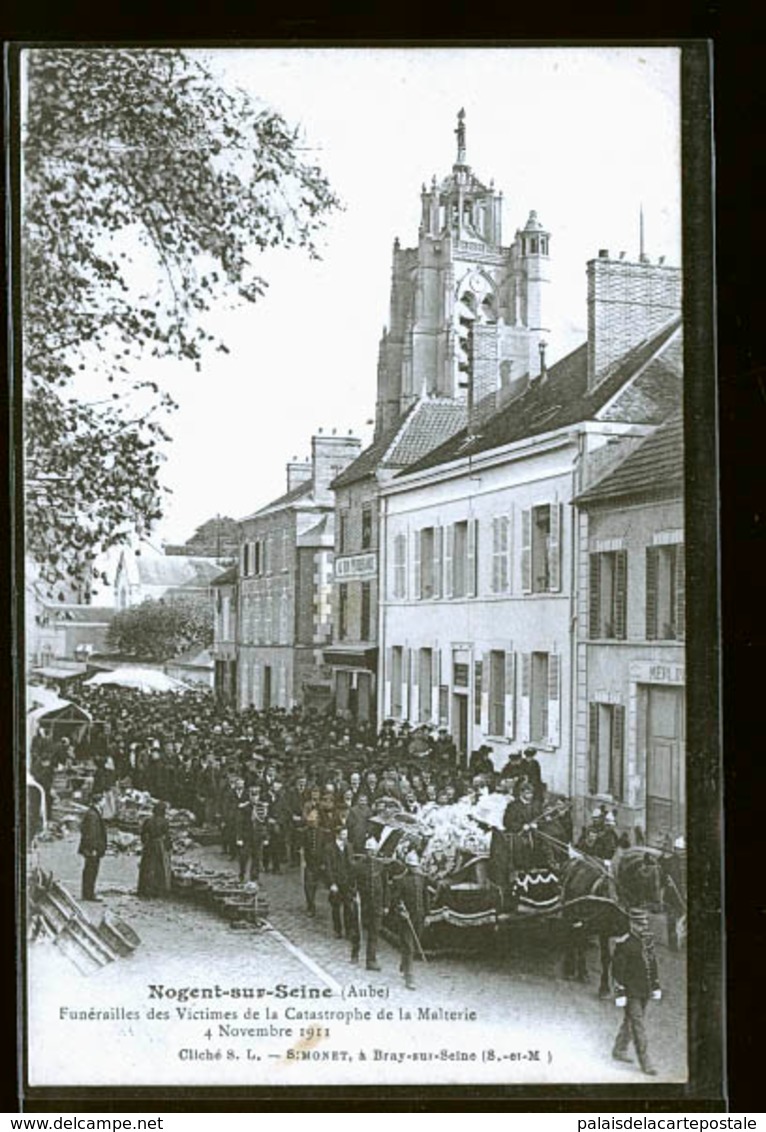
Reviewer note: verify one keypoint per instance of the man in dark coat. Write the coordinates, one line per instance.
(92, 846)
(408, 895)
(251, 834)
(636, 979)
(341, 878)
(370, 886)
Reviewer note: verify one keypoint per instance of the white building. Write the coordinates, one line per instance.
(478, 577)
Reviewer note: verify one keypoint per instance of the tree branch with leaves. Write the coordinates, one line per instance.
(149, 191)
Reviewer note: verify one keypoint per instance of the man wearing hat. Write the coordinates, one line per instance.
(407, 894)
(608, 838)
(92, 845)
(636, 980)
(531, 769)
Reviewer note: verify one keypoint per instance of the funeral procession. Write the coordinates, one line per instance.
(411, 727)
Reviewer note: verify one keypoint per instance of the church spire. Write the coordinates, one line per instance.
(460, 133)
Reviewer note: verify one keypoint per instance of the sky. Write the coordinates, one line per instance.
(583, 136)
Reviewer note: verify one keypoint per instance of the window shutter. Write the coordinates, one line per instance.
(554, 549)
(526, 552)
(620, 594)
(244, 559)
(472, 555)
(486, 676)
(412, 686)
(436, 677)
(505, 553)
(651, 593)
(680, 592)
(510, 693)
(594, 597)
(524, 712)
(449, 551)
(593, 748)
(405, 560)
(437, 565)
(510, 540)
(618, 751)
(496, 551)
(554, 699)
(417, 537)
(388, 674)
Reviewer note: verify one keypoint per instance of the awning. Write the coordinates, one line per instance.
(353, 656)
(54, 672)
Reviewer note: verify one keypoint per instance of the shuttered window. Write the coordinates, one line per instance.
(501, 558)
(608, 595)
(540, 701)
(400, 566)
(665, 593)
(606, 750)
(541, 548)
(497, 700)
(397, 680)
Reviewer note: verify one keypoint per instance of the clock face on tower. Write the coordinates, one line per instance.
(477, 282)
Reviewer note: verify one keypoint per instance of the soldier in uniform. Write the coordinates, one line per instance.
(251, 833)
(636, 979)
(313, 851)
(407, 897)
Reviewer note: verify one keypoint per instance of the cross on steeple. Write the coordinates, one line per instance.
(460, 132)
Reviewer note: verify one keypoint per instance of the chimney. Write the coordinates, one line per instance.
(627, 303)
(298, 471)
(329, 456)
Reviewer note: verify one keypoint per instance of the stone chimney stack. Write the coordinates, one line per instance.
(298, 471)
(627, 303)
(329, 456)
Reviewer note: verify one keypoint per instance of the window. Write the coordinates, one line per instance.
(397, 677)
(342, 531)
(365, 627)
(342, 611)
(501, 554)
(541, 549)
(461, 558)
(425, 683)
(245, 559)
(665, 593)
(606, 748)
(400, 566)
(540, 718)
(428, 564)
(367, 526)
(608, 594)
(497, 692)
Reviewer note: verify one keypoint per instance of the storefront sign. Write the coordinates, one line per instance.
(648, 672)
(356, 566)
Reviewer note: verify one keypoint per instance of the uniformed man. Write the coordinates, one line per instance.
(407, 900)
(370, 889)
(636, 979)
(92, 846)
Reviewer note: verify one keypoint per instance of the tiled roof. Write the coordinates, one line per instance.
(227, 578)
(292, 496)
(563, 399)
(176, 570)
(83, 614)
(656, 465)
(426, 424)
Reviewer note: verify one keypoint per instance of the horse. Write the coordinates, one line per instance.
(595, 902)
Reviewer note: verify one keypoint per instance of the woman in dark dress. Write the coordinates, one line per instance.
(154, 870)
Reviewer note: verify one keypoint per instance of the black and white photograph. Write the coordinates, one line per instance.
(352, 487)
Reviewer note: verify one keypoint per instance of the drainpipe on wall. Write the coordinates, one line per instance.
(382, 575)
(573, 618)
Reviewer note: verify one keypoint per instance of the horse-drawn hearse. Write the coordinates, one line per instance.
(480, 878)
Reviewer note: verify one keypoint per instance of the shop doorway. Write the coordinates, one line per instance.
(665, 771)
(460, 724)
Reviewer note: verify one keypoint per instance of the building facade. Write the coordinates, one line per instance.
(225, 624)
(630, 729)
(465, 327)
(146, 573)
(480, 563)
(284, 585)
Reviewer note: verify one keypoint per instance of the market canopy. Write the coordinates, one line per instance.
(142, 679)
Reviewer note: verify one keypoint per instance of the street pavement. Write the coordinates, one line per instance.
(513, 984)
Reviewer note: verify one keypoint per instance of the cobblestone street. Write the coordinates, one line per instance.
(514, 989)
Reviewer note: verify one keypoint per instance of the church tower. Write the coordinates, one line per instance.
(466, 314)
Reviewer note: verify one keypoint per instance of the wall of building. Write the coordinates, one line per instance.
(622, 672)
(467, 629)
